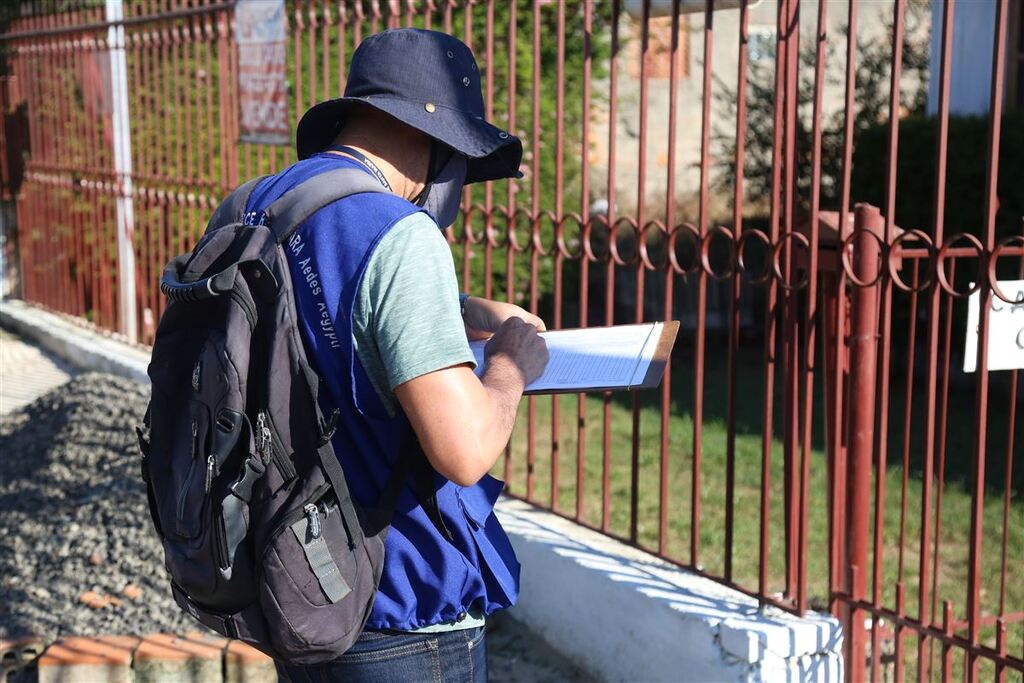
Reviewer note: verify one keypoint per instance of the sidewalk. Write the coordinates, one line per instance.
(26, 372)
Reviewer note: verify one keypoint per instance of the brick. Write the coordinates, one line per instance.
(85, 660)
(245, 664)
(166, 658)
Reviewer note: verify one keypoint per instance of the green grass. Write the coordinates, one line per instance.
(748, 464)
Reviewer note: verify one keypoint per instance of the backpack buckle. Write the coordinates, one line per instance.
(328, 427)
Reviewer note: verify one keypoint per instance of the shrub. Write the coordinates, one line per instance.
(966, 168)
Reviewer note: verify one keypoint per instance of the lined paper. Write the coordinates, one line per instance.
(592, 358)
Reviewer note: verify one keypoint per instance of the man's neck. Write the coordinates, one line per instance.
(402, 167)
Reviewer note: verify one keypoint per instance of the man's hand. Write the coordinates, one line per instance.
(462, 422)
(517, 345)
(483, 317)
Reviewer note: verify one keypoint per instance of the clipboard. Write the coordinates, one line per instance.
(586, 359)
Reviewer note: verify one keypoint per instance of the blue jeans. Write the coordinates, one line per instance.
(378, 657)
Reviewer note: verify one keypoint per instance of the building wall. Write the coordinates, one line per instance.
(871, 22)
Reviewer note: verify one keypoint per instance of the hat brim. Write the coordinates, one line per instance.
(492, 153)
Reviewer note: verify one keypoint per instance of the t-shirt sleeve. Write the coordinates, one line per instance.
(411, 297)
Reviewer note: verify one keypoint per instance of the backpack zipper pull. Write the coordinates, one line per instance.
(195, 439)
(314, 519)
(263, 444)
(211, 463)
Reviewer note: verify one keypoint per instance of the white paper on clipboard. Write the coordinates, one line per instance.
(594, 357)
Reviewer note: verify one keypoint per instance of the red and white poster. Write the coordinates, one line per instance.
(262, 80)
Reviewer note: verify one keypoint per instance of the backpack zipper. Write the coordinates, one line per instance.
(211, 466)
(183, 492)
(313, 514)
(292, 517)
(270, 443)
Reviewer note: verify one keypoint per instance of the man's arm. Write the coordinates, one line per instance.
(462, 422)
(408, 320)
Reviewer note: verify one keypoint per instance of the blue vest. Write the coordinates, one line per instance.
(427, 579)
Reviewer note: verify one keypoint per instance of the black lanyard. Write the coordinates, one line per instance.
(365, 161)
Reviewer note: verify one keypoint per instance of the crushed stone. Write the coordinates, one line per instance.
(78, 553)
(74, 518)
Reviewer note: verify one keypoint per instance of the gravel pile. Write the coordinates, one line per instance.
(78, 554)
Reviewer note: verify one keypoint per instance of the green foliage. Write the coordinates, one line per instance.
(874, 58)
(538, 187)
(966, 171)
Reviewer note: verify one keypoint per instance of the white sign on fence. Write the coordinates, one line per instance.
(1005, 329)
(262, 77)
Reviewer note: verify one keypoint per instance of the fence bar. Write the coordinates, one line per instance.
(885, 295)
(510, 197)
(559, 190)
(609, 291)
(984, 306)
(641, 202)
(670, 218)
(702, 231)
(863, 363)
(734, 302)
(810, 324)
(934, 301)
(585, 224)
(531, 402)
(789, 324)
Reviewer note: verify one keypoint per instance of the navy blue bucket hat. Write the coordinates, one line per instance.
(427, 80)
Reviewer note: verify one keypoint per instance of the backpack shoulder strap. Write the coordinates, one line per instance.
(290, 210)
(233, 206)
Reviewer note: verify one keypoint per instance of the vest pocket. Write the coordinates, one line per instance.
(499, 564)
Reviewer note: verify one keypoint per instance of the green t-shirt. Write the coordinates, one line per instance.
(406, 322)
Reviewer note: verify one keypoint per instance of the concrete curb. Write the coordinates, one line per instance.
(79, 345)
(622, 614)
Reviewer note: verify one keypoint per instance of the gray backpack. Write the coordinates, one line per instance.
(261, 538)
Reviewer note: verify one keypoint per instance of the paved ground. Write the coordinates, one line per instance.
(26, 372)
(514, 654)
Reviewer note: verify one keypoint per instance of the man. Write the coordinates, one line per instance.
(386, 328)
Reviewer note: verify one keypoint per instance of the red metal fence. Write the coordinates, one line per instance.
(769, 460)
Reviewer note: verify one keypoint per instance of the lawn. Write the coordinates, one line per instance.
(955, 505)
